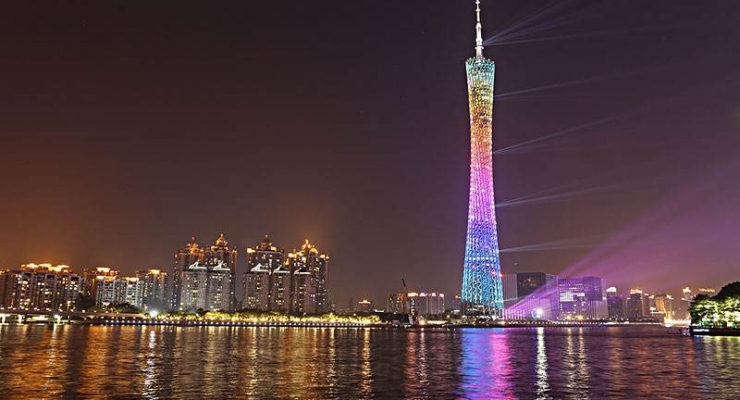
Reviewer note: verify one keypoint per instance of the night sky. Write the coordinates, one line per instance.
(128, 127)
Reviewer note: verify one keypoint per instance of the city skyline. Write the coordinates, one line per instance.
(334, 163)
(56, 287)
(115, 141)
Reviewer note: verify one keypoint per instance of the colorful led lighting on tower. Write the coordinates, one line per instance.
(482, 286)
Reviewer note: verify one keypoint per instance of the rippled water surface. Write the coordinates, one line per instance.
(97, 362)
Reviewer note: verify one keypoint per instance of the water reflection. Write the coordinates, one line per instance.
(485, 370)
(150, 368)
(366, 382)
(574, 364)
(543, 387)
(63, 362)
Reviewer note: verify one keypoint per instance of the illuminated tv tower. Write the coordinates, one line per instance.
(481, 287)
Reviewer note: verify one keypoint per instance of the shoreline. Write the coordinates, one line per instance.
(699, 331)
(186, 324)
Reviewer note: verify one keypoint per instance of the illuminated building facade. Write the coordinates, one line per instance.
(127, 290)
(309, 269)
(205, 285)
(399, 303)
(508, 282)
(430, 303)
(191, 254)
(615, 304)
(529, 295)
(582, 298)
(687, 297)
(303, 289)
(456, 303)
(101, 285)
(261, 261)
(296, 284)
(637, 305)
(280, 285)
(204, 278)
(365, 306)
(482, 286)
(220, 252)
(40, 287)
(421, 303)
(351, 306)
(661, 306)
(154, 287)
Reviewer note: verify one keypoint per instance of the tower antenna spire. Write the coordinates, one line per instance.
(478, 31)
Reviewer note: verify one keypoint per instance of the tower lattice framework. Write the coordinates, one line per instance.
(482, 286)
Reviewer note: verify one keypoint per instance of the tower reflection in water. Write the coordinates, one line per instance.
(486, 367)
(100, 362)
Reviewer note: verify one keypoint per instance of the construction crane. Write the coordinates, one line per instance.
(412, 317)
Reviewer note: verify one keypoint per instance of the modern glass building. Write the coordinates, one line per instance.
(482, 287)
(582, 298)
(530, 295)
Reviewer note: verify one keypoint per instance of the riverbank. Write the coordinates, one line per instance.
(700, 331)
(155, 322)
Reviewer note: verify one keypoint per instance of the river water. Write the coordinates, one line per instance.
(99, 362)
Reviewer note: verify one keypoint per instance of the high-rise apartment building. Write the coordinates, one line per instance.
(456, 303)
(40, 287)
(398, 303)
(637, 305)
(303, 286)
(281, 280)
(204, 278)
(429, 303)
(309, 269)
(205, 286)
(661, 306)
(686, 299)
(421, 303)
(189, 255)
(220, 253)
(154, 286)
(262, 260)
(615, 304)
(100, 284)
(297, 284)
(128, 291)
(365, 306)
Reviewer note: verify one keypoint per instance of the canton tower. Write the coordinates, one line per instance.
(481, 287)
